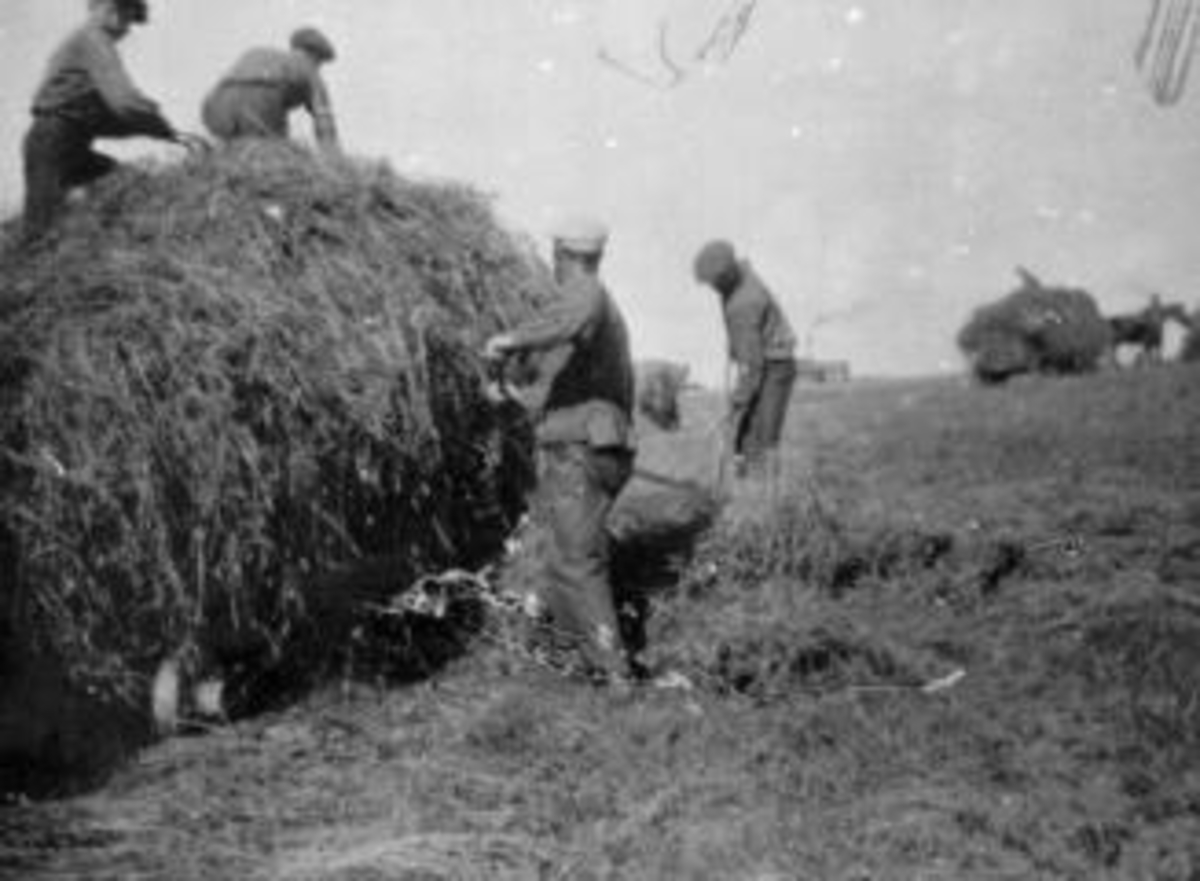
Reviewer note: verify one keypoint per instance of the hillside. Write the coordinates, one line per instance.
(962, 641)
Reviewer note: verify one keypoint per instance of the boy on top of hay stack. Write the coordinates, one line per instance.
(85, 94)
(254, 99)
(586, 445)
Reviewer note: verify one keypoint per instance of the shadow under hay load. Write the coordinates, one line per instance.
(240, 397)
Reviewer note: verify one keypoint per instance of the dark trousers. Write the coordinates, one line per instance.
(577, 487)
(58, 156)
(761, 425)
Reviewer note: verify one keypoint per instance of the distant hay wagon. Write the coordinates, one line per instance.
(1035, 329)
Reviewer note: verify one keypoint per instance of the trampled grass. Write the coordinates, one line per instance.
(963, 643)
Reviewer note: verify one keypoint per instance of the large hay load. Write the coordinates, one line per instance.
(225, 384)
(1189, 350)
(1035, 329)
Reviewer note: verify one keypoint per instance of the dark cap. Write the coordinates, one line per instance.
(135, 10)
(313, 42)
(714, 260)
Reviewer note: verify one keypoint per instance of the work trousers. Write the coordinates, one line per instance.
(58, 156)
(576, 489)
(761, 425)
(246, 110)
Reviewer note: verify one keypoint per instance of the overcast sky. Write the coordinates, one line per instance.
(885, 164)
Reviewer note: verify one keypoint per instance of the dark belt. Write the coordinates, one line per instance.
(52, 115)
(253, 82)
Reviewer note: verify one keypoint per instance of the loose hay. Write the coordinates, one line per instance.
(659, 384)
(1067, 751)
(1145, 646)
(1035, 329)
(221, 379)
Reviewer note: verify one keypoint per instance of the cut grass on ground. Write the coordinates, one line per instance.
(1043, 538)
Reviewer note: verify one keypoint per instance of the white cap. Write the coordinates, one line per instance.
(581, 234)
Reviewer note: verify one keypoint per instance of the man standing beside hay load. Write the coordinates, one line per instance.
(585, 441)
(762, 345)
(85, 94)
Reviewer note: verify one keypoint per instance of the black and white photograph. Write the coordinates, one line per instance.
(599, 440)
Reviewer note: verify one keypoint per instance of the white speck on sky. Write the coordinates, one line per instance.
(566, 17)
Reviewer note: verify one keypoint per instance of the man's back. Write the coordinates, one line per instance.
(254, 98)
(757, 326)
(268, 66)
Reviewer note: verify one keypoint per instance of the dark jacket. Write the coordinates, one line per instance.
(256, 95)
(590, 397)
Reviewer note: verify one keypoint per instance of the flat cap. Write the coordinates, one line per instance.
(580, 234)
(137, 10)
(313, 42)
(714, 260)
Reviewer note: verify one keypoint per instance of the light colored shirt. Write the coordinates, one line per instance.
(299, 84)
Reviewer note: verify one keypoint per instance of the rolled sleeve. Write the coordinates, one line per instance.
(567, 321)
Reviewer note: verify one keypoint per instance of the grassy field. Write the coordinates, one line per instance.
(960, 640)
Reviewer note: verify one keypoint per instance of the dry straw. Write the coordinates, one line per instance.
(220, 378)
